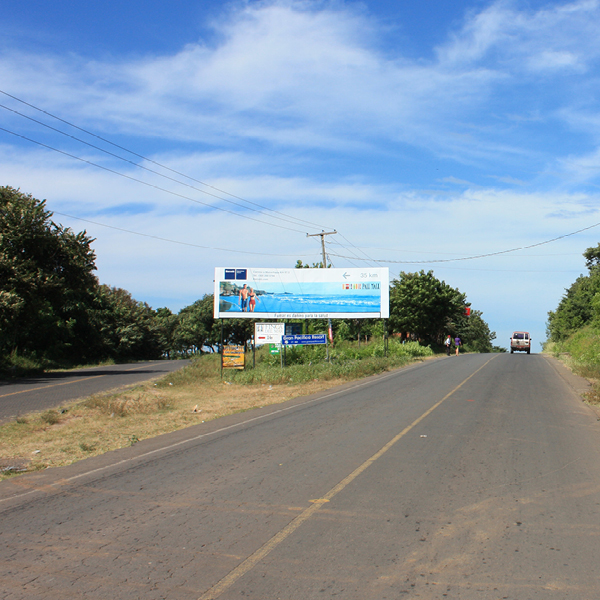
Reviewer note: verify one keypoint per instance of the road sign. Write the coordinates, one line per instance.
(233, 357)
(304, 340)
(268, 333)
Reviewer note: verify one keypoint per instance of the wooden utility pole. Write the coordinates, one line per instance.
(322, 234)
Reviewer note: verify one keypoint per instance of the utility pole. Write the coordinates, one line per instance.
(322, 234)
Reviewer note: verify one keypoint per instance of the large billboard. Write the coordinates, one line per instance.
(301, 293)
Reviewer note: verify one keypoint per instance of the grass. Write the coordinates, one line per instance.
(581, 353)
(192, 395)
(14, 366)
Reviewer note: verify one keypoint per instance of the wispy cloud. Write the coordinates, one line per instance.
(297, 106)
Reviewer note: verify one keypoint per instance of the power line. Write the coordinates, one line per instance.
(162, 239)
(156, 187)
(283, 216)
(294, 221)
(444, 260)
(357, 248)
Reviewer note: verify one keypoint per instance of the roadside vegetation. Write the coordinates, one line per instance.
(54, 313)
(573, 329)
(193, 395)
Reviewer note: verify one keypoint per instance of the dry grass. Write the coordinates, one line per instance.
(108, 422)
(186, 397)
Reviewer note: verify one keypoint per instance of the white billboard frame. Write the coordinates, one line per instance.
(272, 293)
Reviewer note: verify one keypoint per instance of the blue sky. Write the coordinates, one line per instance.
(426, 134)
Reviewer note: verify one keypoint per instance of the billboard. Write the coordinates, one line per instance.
(301, 293)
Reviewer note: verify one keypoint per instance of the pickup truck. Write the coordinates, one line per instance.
(520, 341)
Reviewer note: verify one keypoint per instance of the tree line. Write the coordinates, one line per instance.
(580, 305)
(54, 311)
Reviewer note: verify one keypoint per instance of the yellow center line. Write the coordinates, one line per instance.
(45, 387)
(243, 568)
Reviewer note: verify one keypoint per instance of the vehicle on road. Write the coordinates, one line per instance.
(520, 341)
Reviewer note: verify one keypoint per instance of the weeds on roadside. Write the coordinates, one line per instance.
(50, 417)
(136, 401)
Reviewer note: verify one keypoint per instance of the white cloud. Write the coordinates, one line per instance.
(297, 108)
(553, 37)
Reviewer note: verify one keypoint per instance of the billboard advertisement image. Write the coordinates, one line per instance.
(301, 293)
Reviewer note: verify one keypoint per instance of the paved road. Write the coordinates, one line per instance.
(54, 389)
(466, 478)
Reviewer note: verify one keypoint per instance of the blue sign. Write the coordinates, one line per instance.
(304, 340)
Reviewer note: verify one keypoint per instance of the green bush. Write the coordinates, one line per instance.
(583, 348)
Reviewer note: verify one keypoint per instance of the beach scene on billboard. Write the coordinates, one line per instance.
(285, 293)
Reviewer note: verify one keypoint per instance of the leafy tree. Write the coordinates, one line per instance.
(166, 325)
(576, 308)
(197, 327)
(475, 333)
(317, 265)
(580, 304)
(46, 281)
(128, 328)
(592, 257)
(424, 306)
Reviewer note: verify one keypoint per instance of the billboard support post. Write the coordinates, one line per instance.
(221, 348)
(285, 347)
(385, 338)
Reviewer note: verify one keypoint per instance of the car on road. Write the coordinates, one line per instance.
(520, 341)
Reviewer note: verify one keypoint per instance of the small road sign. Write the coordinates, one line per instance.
(304, 340)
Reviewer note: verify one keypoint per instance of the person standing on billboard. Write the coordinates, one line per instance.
(251, 300)
(244, 298)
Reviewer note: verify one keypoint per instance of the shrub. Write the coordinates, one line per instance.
(51, 417)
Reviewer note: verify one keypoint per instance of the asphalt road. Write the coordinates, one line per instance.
(467, 478)
(52, 390)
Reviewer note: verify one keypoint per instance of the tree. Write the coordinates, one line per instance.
(576, 308)
(128, 328)
(580, 304)
(46, 281)
(475, 332)
(166, 325)
(196, 328)
(592, 257)
(424, 306)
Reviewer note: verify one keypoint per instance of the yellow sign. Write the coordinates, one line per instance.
(233, 357)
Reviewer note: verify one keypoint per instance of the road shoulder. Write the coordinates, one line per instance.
(580, 385)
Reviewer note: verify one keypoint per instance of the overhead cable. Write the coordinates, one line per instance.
(148, 184)
(162, 239)
(282, 216)
(445, 260)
